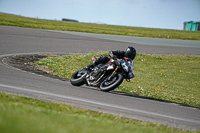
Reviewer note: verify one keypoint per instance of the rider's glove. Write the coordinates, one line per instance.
(112, 55)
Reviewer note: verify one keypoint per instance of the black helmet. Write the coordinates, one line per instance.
(130, 52)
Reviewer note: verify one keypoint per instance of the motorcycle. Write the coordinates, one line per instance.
(107, 76)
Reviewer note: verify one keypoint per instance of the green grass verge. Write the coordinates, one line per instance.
(27, 115)
(19, 21)
(174, 78)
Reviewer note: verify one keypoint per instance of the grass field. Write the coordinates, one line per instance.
(174, 78)
(26, 115)
(19, 21)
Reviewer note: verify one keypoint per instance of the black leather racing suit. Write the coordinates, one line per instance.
(104, 59)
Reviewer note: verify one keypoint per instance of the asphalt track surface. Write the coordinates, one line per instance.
(15, 41)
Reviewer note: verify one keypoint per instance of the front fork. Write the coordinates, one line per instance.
(113, 73)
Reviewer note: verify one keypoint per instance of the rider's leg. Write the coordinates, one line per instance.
(101, 59)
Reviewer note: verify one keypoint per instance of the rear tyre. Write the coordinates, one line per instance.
(108, 85)
(77, 78)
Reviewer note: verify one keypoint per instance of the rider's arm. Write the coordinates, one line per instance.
(116, 54)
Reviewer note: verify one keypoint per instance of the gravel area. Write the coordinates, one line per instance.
(24, 62)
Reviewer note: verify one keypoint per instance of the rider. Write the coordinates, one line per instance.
(130, 52)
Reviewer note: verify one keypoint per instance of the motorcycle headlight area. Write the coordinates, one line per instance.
(124, 65)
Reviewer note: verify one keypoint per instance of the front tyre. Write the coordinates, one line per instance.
(108, 85)
(77, 78)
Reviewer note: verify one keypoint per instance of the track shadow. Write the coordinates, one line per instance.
(149, 98)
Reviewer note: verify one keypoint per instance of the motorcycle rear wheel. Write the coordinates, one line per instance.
(108, 85)
(77, 79)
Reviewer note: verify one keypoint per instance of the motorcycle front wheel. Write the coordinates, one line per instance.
(108, 85)
(77, 78)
